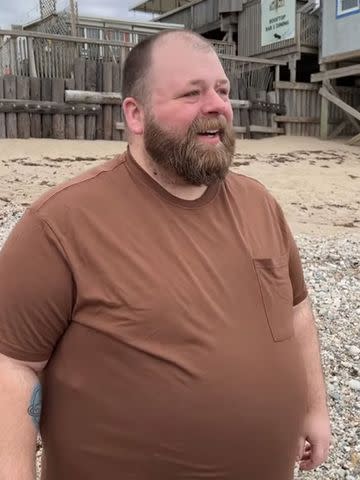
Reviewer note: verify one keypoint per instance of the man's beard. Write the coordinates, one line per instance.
(195, 162)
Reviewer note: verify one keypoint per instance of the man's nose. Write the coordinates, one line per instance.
(214, 103)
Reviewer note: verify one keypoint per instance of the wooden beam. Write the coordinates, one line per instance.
(339, 57)
(332, 90)
(287, 119)
(339, 103)
(336, 73)
(243, 104)
(84, 96)
(63, 38)
(354, 140)
(295, 86)
(262, 129)
(46, 107)
(264, 61)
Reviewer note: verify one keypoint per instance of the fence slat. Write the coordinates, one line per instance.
(99, 88)
(23, 93)
(10, 92)
(116, 87)
(79, 71)
(90, 84)
(2, 115)
(107, 86)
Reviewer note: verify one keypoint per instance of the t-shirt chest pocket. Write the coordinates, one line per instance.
(277, 295)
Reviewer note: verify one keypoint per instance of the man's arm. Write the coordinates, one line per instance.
(315, 441)
(20, 407)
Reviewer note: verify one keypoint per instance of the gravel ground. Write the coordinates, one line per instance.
(332, 271)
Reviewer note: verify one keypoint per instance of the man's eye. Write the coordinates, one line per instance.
(224, 92)
(193, 93)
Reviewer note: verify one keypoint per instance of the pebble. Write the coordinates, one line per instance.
(355, 385)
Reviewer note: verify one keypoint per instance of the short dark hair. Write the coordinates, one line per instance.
(137, 63)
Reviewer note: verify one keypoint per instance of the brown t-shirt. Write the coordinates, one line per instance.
(168, 324)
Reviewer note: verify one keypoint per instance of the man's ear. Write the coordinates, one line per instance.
(134, 115)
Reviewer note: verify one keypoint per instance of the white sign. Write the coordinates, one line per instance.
(277, 20)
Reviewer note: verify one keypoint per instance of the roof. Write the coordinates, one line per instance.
(158, 6)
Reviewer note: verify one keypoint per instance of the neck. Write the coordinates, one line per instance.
(172, 183)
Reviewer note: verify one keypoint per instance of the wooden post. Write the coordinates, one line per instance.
(46, 95)
(107, 86)
(35, 118)
(99, 88)
(90, 85)
(23, 93)
(70, 128)
(11, 118)
(58, 120)
(2, 115)
(116, 134)
(324, 112)
(79, 68)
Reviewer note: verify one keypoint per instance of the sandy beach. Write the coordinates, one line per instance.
(316, 182)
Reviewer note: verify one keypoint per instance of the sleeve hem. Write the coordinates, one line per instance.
(17, 354)
(299, 298)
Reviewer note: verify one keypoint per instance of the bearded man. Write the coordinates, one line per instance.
(162, 298)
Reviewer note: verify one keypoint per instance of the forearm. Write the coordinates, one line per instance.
(19, 406)
(307, 337)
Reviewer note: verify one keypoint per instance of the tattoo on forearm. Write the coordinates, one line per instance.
(34, 409)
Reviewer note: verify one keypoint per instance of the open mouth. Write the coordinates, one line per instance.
(210, 133)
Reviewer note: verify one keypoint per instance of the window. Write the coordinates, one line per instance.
(347, 7)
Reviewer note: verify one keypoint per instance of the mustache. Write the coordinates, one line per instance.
(202, 124)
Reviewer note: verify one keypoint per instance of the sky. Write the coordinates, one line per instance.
(14, 11)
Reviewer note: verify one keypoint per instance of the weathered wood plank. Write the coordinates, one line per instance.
(288, 119)
(104, 98)
(79, 73)
(58, 121)
(99, 88)
(2, 115)
(354, 140)
(46, 95)
(107, 109)
(23, 93)
(294, 86)
(90, 85)
(116, 114)
(35, 118)
(70, 129)
(50, 108)
(339, 103)
(336, 73)
(10, 118)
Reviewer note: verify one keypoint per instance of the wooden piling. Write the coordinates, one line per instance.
(35, 118)
(90, 85)
(107, 86)
(70, 128)
(10, 118)
(79, 69)
(2, 115)
(99, 88)
(116, 87)
(58, 120)
(46, 95)
(23, 93)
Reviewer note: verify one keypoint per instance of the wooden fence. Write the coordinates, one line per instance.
(44, 114)
(303, 104)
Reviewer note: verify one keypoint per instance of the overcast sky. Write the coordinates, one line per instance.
(24, 11)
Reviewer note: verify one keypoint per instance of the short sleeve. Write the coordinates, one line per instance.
(36, 291)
